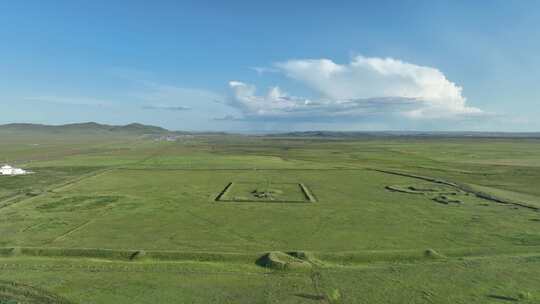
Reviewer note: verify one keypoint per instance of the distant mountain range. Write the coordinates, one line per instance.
(426, 134)
(141, 129)
(87, 127)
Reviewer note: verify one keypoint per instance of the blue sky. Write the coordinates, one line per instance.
(273, 66)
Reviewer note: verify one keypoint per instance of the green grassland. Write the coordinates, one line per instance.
(124, 218)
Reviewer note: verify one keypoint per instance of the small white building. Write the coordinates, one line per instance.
(9, 170)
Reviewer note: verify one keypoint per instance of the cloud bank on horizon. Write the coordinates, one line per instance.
(366, 86)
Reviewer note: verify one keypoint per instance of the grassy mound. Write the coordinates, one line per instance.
(425, 189)
(444, 199)
(78, 252)
(432, 254)
(282, 261)
(14, 293)
(440, 193)
(266, 193)
(307, 193)
(305, 256)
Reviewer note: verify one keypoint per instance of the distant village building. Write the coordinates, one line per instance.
(9, 170)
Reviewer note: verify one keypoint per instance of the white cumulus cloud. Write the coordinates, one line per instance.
(275, 102)
(364, 86)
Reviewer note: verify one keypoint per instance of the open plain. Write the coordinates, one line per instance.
(128, 218)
